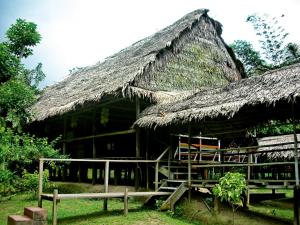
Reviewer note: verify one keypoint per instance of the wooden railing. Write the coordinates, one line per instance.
(106, 173)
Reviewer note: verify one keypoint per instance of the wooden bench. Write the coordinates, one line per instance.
(55, 198)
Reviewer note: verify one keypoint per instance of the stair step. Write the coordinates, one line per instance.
(179, 173)
(36, 213)
(19, 220)
(175, 181)
(167, 188)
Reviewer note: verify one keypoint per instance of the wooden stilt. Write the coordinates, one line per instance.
(147, 165)
(189, 165)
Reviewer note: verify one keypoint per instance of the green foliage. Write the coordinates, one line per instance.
(16, 98)
(9, 64)
(22, 36)
(8, 183)
(231, 189)
(272, 37)
(30, 181)
(275, 49)
(19, 150)
(251, 58)
(275, 127)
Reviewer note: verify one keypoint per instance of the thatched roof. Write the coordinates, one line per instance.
(179, 59)
(286, 150)
(274, 87)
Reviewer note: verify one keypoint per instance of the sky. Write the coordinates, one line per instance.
(79, 33)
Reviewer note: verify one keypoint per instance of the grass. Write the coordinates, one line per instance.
(86, 212)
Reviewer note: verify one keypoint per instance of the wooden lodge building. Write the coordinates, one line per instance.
(183, 79)
(94, 108)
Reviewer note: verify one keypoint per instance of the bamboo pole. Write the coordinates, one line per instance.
(106, 180)
(40, 190)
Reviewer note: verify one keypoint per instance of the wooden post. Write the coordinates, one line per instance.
(296, 148)
(147, 164)
(41, 170)
(106, 179)
(156, 175)
(189, 164)
(94, 173)
(126, 202)
(296, 205)
(169, 161)
(249, 168)
(64, 173)
(54, 207)
(137, 144)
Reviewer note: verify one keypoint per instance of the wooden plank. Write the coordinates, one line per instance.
(104, 195)
(101, 135)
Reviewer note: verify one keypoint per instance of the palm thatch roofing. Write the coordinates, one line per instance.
(173, 62)
(237, 105)
(286, 150)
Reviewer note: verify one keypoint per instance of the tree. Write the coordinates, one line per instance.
(275, 51)
(22, 36)
(231, 188)
(18, 89)
(251, 59)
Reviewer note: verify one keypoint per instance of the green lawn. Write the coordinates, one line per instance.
(85, 212)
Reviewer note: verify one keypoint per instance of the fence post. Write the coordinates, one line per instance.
(106, 179)
(126, 202)
(54, 207)
(40, 190)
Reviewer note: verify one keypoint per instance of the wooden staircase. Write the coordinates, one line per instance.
(177, 187)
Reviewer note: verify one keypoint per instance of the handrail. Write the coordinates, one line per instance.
(100, 160)
(162, 154)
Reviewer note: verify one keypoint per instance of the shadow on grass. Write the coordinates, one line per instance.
(97, 215)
